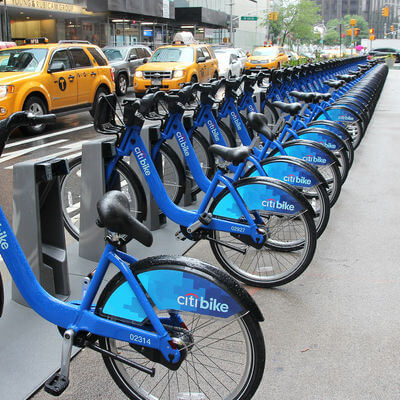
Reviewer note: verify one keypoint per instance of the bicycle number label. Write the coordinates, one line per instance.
(139, 339)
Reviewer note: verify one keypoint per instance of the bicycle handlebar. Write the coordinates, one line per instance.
(18, 120)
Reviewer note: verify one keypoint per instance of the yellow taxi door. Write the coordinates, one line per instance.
(61, 80)
(84, 70)
(201, 65)
(208, 63)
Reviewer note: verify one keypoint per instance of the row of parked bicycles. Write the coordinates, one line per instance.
(178, 328)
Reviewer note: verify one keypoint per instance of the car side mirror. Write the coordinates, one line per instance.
(133, 57)
(201, 60)
(56, 66)
(248, 54)
(145, 60)
(281, 54)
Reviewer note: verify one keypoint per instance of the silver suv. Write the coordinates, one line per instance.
(125, 60)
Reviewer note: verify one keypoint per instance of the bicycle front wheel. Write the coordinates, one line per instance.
(224, 358)
(71, 194)
(289, 247)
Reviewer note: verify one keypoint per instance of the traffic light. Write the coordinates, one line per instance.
(271, 16)
(371, 37)
(275, 16)
(385, 11)
(371, 31)
(356, 31)
(391, 28)
(349, 32)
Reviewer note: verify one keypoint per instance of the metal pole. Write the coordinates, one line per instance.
(267, 27)
(231, 25)
(340, 40)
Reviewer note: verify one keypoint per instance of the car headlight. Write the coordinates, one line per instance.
(138, 74)
(178, 73)
(5, 89)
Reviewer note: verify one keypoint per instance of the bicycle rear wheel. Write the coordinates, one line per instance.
(71, 194)
(225, 358)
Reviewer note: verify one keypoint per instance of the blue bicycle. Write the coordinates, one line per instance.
(167, 327)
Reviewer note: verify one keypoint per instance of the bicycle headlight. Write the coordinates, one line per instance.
(139, 74)
(5, 89)
(178, 73)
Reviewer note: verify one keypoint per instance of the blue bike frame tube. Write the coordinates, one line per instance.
(172, 211)
(69, 315)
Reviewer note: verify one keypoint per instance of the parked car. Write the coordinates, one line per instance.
(228, 64)
(265, 58)
(63, 77)
(170, 66)
(384, 51)
(240, 53)
(125, 60)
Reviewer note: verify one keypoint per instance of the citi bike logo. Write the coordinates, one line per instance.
(297, 179)
(251, 108)
(142, 161)
(345, 117)
(277, 205)
(329, 145)
(3, 240)
(213, 130)
(194, 301)
(182, 143)
(314, 159)
(236, 121)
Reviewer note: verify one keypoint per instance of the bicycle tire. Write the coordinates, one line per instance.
(271, 114)
(222, 367)
(296, 249)
(206, 160)
(70, 188)
(229, 136)
(171, 171)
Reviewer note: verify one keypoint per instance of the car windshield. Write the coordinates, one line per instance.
(173, 54)
(115, 54)
(265, 51)
(22, 60)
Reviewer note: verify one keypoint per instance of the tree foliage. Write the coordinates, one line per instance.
(296, 19)
(332, 35)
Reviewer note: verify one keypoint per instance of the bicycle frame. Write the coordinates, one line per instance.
(80, 317)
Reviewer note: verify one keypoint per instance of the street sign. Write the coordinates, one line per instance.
(248, 18)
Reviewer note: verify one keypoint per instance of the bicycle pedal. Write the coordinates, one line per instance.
(56, 384)
(180, 236)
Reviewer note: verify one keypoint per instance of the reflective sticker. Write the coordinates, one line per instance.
(307, 153)
(325, 140)
(339, 114)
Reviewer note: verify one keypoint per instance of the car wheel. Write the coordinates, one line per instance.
(121, 84)
(215, 75)
(101, 91)
(35, 105)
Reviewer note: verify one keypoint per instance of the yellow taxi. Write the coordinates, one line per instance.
(172, 65)
(62, 77)
(266, 57)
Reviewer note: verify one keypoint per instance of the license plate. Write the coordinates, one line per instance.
(258, 66)
(156, 82)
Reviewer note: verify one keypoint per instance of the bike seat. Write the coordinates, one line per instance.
(307, 97)
(289, 108)
(259, 124)
(334, 84)
(322, 96)
(235, 155)
(346, 78)
(115, 215)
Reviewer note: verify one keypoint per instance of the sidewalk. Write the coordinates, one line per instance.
(333, 333)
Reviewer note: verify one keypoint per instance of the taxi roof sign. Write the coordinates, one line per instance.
(41, 40)
(184, 38)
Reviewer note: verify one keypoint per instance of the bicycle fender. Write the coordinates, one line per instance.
(340, 113)
(324, 137)
(332, 126)
(260, 193)
(309, 151)
(179, 284)
(291, 170)
(1, 296)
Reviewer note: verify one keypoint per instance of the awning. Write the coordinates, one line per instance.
(154, 8)
(201, 16)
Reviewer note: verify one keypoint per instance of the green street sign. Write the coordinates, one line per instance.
(249, 18)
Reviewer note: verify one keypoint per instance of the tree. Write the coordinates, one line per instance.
(331, 36)
(295, 19)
